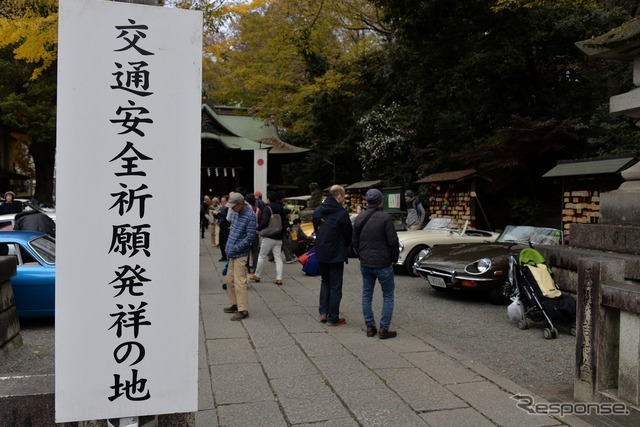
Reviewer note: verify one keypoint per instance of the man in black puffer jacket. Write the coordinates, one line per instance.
(376, 242)
(333, 236)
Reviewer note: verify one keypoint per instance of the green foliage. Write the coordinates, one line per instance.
(523, 210)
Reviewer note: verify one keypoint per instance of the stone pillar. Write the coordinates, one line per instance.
(629, 373)
(10, 338)
(622, 206)
(597, 329)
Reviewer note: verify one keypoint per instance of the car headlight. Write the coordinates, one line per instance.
(479, 266)
(483, 265)
(401, 246)
(422, 254)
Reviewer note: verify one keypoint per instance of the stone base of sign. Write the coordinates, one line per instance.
(30, 401)
(10, 337)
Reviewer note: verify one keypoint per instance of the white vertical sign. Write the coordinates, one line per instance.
(128, 169)
(260, 171)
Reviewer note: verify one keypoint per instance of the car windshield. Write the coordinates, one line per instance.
(535, 235)
(442, 223)
(45, 246)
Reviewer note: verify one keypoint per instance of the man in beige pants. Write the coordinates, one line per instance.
(241, 235)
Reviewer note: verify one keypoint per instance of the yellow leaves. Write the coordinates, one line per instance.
(35, 37)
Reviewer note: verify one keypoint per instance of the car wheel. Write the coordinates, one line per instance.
(412, 258)
(501, 295)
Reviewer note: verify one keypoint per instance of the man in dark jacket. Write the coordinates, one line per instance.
(35, 221)
(376, 242)
(333, 237)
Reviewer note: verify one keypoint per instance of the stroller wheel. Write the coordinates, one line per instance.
(550, 334)
(522, 324)
(572, 331)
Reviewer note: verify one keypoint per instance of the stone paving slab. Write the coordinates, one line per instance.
(380, 407)
(239, 383)
(233, 350)
(289, 361)
(407, 343)
(347, 373)
(497, 405)
(307, 399)
(320, 344)
(377, 356)
(251, 414)
(205, 393)
(462, 417)
(296, 323)
(207, 418)
(343, 422)
(419, 390)
(288, 309)
(442, 368)
(268, 335)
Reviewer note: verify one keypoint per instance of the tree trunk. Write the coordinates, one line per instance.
(44, 160)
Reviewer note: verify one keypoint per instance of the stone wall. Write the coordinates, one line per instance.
(10, 337)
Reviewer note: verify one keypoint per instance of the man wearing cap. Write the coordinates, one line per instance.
(415, 211)
(241, 235)
(10, 205)
(376, 242)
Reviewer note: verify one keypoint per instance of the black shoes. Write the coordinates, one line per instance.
(240, 315)
(385, 334)
(231, 309)
(371, 331)
(222, 259)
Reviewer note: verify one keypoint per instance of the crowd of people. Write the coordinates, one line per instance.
(250, 232)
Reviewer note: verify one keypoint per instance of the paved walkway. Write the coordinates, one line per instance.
(281, 367)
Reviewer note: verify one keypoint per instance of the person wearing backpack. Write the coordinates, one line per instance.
(375, 240)
(415, 211)
(272, 231)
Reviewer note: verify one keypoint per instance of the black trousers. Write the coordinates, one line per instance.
(224, 235)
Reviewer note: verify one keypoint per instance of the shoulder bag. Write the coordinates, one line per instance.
(275, 225)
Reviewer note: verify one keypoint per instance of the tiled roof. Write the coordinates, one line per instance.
(591, 167)
(451, 176)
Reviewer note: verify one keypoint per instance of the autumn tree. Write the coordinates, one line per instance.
(297, 63)
(28, 49)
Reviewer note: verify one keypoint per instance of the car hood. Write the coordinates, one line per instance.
(464, 254)
(419, 235)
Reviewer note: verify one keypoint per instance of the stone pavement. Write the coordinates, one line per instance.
(281, 367)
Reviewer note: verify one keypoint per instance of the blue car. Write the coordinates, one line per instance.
(34, 282)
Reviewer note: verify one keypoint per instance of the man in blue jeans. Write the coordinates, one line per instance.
(376, 242)
(333, 237)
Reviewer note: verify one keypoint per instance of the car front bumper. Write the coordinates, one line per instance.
(454, 280)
